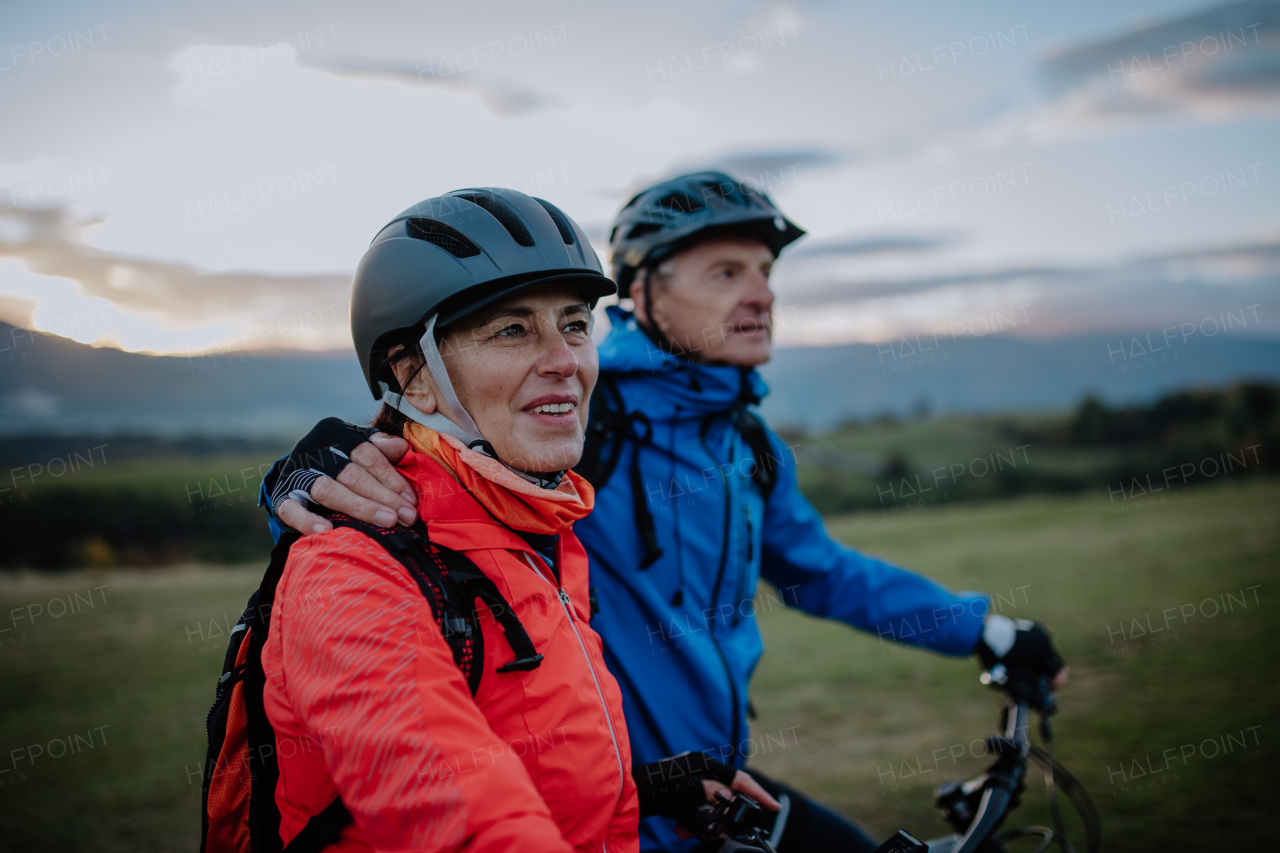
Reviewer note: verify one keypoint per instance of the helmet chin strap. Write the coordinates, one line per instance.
(465, 429)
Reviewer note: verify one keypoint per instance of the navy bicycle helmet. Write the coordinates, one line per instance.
(672, 215)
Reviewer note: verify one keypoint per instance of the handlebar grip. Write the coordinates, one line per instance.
(990, 810)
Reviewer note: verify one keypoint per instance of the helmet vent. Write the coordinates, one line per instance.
(449, 239)
(644, 229)
(678, 202)
(562, 224)
(503, 214)
(731, 191)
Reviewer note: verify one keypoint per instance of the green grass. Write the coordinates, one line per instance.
(142, 665)
(860, 706)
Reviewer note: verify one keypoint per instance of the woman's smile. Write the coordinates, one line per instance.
(554, 410)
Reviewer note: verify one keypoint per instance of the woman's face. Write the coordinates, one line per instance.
(524, 370)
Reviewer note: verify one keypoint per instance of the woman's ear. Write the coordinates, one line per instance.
(415, 379)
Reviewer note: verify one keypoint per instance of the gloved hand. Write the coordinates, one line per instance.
(674, 787)
(345, 468)
(1024, 648)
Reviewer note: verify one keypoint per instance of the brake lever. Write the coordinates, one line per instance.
(1034, 692)
(726, 827)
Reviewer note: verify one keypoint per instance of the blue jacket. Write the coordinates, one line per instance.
(684, 668)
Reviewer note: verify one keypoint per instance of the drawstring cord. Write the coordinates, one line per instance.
(753, 434)
(639, 500)
(678, 598)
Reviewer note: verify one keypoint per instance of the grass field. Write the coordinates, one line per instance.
(102, 708)
(867, 714)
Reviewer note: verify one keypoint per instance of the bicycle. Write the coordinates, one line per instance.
(976, 808)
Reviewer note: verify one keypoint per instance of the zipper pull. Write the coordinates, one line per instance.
(568, 605)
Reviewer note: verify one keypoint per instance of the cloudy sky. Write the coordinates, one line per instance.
(181, 177)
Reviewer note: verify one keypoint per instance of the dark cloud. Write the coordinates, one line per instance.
(766, 169)
(49, 242)
(759, 161)
(1131, 293)
(502, 100)
(854, 246)
(1224, 59)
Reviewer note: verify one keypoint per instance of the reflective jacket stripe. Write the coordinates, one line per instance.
(573, 623)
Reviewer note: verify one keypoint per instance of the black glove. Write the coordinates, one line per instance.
(1022, 646)
(323, 452)
(672, 787)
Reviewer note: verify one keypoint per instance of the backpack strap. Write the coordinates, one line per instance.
(753, 432)
(264, 814)
(640, 500)
(454, 615)
(321, 830)
(607, 428)
(451, 583)
(476, 584)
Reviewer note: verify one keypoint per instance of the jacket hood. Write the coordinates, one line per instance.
(695, 388)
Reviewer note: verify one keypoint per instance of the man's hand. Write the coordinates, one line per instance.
(675, 787)
(743, 784)
(1023, 647)
(366, 485)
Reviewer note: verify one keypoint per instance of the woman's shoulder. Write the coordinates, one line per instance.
(427, 475)
(441, 497)
(341, 556)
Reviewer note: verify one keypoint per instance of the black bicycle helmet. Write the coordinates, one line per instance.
(669, 216)
(454, 254)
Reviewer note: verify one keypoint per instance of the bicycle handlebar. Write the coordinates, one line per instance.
(978, 807)
(1001, 782)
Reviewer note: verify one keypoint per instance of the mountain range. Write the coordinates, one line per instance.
(53, 385)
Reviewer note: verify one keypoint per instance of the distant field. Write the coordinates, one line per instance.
(151, 510)
(867, 714)
(957, 459)
(1191, 436)
(133, 676)
(141, 501)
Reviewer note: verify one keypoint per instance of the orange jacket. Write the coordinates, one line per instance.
(366, 700)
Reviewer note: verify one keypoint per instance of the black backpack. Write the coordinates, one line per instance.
(610, 426)
(239, 807)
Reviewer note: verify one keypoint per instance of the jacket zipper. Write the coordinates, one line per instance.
(741, 586)
(565, 602)
(715, 594)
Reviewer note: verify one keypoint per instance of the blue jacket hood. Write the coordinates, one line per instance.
(697, 389)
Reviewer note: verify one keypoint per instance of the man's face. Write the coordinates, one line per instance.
(713, 301)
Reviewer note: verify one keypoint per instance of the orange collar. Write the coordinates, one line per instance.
(512, 500)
